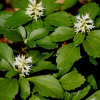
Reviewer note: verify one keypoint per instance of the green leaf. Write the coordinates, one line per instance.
(36, 55)
(96, 33)
(48, 2)
(4, 65)
(33, 97)
(67, 55)
(28, 29)
(37, 34)
(43, 65)
(62, 33)
(47, 55)
(89, 8)
(52, 7)
(34, 90)
(11, 73)
(3, 30)
(92, 45)
(5, 14)
(97, 22)
(47, 86)
(62, 71)
(92, 82)
(22, 4)
(68, 4)
(6, 53)
(2, 21)
(8, 88)
(48, 26)
(72, 80)
(60, 18)
(95, 96)
(78, 39)
(46, 43)
(74, 20)
(41, 97)
(37, 24)
(80, 94)
(98, 13)
(25, 88)
(31, 43)
(92, 60)
(66, 96)
(13, 36)
(21, 30)
(17, 19)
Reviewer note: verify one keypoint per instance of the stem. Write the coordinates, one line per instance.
(17, 52)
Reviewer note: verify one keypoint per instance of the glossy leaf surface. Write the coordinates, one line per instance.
(72, 80)
(47, 86)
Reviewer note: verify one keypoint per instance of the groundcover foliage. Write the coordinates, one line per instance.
(54, 43)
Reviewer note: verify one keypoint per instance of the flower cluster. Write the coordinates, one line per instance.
(84, 24)
(22, 64)
(35, 10)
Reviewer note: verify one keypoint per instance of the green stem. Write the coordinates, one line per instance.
(17, 52)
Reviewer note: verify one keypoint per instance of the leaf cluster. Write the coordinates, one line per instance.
(54, 46)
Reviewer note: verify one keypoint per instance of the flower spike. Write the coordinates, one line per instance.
(22, 64)
(84, 24)
(34, 10)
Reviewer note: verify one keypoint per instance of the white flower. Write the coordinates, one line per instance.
(84, 24)
(23, 64)
(35, 10)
